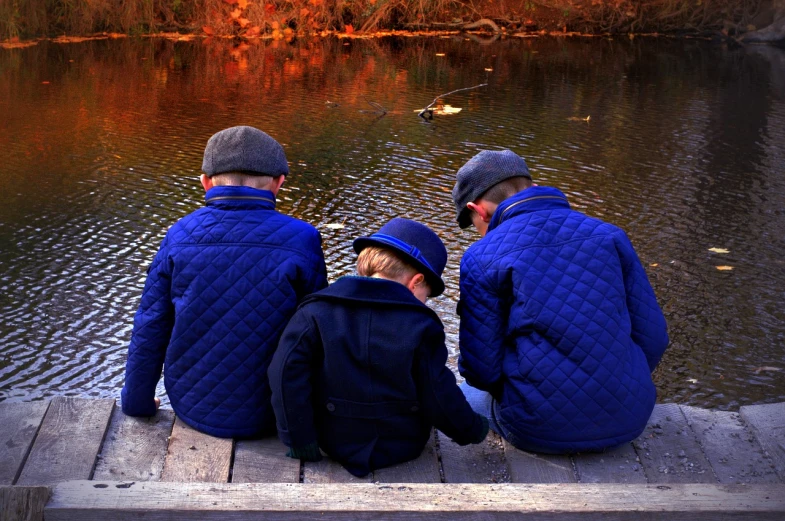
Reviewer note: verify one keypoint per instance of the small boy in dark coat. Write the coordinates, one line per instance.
(359, 370)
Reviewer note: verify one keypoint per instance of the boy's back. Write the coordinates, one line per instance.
(360, 370)
(560, 324)
(219, 292)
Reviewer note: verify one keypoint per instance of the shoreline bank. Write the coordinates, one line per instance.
(24, 22)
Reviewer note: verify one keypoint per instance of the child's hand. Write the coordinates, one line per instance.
(157, 402)
(485, 429)
(307, 453)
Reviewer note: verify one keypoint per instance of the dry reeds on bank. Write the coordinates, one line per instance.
(32, 18)
(612, 16)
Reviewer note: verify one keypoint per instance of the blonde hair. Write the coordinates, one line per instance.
(261, 182)
(381, 261)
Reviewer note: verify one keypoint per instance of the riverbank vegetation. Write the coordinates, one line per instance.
(27, 19)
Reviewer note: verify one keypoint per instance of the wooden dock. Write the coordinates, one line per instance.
(83, 459)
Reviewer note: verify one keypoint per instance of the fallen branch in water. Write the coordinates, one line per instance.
(430, 112)
(483, 22)
(381, 111)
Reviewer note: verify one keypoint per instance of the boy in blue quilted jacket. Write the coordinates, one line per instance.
(219, 292)
(560, 329)
(360, 368)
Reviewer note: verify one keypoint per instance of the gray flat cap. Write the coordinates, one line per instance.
(480, 173)
(244, 149)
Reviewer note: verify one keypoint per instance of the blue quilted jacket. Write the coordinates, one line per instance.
(219, 292)
(560, 324)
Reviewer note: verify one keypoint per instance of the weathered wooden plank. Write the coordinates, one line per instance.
(330, 471)
(669, 450)
(99, 501)
(23, 503)
(481, 463)
(134, 448)
(730, 446)
(68, 441)
(527, 467)
(264, 461)
(195, 456)
(768, 424)
(19, 424)
(423, 469)
(619, 465)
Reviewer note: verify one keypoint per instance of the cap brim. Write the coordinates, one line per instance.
(434, 281)
(464, 219)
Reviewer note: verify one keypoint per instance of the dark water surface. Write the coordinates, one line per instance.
(101, 146)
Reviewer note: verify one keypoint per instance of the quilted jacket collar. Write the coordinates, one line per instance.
(240, 197)
(367, 289)
(532, 199)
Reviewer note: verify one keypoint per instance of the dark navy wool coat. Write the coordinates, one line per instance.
(220, 291)
(360, 370)
(560, 324)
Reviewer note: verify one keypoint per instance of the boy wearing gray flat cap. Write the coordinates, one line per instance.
(219, 292)
(560, 328)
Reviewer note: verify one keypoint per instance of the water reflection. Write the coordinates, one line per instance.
(102, 145)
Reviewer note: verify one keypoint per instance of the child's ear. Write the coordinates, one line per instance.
(481, 209)
(416, 280)
(277, 184)
(207, 182)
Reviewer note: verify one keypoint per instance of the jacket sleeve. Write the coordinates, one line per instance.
(441, 399)
(290, 374)
(152, 330)
(482, 328)
(649, 329)
(314, 277)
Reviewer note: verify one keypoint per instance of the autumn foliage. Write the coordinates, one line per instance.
(286, 18)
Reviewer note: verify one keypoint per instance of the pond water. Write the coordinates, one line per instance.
(685, 149)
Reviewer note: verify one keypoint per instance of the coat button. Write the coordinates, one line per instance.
(331, 407)
(414, 408)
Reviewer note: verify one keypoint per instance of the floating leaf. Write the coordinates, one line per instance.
(442, 110)
(719, 250)
(253, 31)
(767, 368)
(243, 22)
(208, 30)
(724, 268)
(242, 4)
(349, 28)
(270, 8)
(236, 13)
(488, 69)
(692, 380)
(304, 12)
(335, 226)
(439, 54)
(654, 265)
(276, 25)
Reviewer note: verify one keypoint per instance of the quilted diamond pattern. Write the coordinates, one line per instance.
(560, 323)
(222, 287)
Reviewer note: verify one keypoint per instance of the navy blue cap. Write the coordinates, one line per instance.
(417, 244)
(244, 149)
(479, 174)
